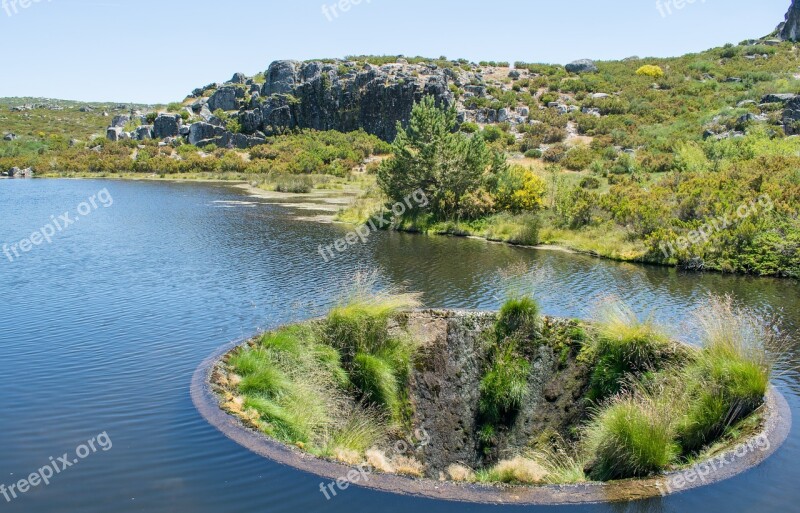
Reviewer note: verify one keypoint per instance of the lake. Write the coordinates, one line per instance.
(103, 326)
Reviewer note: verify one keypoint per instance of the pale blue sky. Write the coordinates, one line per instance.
(159, 50)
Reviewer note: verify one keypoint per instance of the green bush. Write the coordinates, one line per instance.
(729, 379)
(623, 349)
(504, 387)
(633, 437)
(376, 378)
(519, 317)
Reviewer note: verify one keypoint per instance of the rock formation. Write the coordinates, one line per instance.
(789, 30)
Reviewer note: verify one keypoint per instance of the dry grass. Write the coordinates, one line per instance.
(347, 456)
(377, 459)
(461, 473)
(519, 470)
(407, 466)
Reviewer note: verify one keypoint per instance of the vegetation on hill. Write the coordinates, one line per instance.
(674, 161)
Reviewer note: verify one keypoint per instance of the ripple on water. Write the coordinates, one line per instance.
(102, 329)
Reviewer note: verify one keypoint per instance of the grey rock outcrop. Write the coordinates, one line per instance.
(282, 77)
(251, 120)
(581, 66)
(778, 98)
(16, 172)
(113, 133)
(167, 125)
(224, 98)
(238, 78)
(791, 116)
(144, 132)
(120, 121)
(789, 30)
(323, 96)
(202, 133)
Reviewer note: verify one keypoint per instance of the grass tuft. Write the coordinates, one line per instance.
(623, 349)
(634, 436)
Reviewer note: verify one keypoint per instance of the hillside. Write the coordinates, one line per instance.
(641, 159)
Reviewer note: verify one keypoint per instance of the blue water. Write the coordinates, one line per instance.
(102, 328)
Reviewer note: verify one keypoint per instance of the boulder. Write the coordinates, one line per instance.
(582, 66)
(600, 96)
(202, 133)
(791, 116)
(281, 77)
(224, 98)
(789, 30)
(113, 133)
(144, 132)
(251, 120)
(120, 121)
(778, 98)
(502, 115)
(167, 125)
(238, 78)
(10, 137)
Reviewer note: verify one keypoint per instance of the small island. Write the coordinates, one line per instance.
(509, 406)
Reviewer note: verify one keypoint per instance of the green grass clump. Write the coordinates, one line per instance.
(504, 387)
(376, 378)
(292, 383)
(377, 362)
(519, 316)
(730, 377)
(632, 437)
(624, 348)
(670, 416)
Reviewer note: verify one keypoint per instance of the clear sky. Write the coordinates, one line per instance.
(156, 51)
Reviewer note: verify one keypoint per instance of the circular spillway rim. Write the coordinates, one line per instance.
(777, 424)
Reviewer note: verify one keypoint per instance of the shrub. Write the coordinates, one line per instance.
(623, 349)
(651, 71)
(555, 153)
(519, 317)
(632, 437)
(534, 153)
(520, 189)
(590, 182)
(505, 386)
(578, 158)
(729, 379)
(469, 128)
